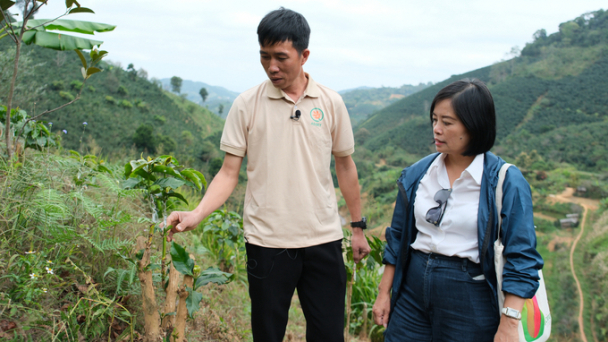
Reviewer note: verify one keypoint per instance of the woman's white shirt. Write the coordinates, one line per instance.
(457, 231)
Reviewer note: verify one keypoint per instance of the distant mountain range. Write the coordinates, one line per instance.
(553, 98)
(217, 95)
(363, 101)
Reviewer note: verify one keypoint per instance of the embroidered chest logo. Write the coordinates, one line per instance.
(317, 114)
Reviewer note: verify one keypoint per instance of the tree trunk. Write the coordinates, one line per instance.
(170, 300)
(9, 102)
(151, 316)
(182, 310)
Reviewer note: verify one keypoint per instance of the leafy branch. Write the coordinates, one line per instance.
(35, 32)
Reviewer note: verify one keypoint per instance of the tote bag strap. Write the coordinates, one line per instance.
(501, 179)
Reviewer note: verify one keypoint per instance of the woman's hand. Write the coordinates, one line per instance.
(507, 330)
(382, 308)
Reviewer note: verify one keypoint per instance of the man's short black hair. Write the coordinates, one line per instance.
(473, 104)
(282, 25)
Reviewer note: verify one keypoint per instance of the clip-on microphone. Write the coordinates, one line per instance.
(297, 116)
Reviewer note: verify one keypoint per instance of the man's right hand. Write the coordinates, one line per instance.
(182, 221)
(218, 192)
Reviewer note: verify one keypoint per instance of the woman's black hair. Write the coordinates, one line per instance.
(473, 104)
(282, 25)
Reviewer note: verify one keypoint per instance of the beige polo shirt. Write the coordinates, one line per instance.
(290, 200)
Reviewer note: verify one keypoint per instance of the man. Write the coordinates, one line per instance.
(289, 126)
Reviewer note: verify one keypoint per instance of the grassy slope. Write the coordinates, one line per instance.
(111, 124)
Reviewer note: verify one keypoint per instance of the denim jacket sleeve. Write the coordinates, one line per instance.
(520, 275)
(395, 232)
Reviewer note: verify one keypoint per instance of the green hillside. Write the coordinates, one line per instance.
(553, 98)
(114, 104)
(552, 118)
(361, 102)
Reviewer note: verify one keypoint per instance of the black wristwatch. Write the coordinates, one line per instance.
(360, 224)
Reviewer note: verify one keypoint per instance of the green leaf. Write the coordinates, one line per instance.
(193, 301)
(195, 177)
(140, 172)
(181, 260)
(102, 168)
(212, 275)
(131, 183)
(97, 56)
(6, 4)
(128, 170)
(76, 26)
(167, 170)
(69, 3)
(140, 254)
(178, 196)
(92, 70)
(58, 41)
(81, 10)
(169, 182)
(137, 164)
(82, 59)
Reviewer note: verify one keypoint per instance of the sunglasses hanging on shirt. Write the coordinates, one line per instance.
(435, 214)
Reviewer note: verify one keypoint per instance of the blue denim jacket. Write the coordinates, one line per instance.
(520, 275)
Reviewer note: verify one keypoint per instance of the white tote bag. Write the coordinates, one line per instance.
(535, 324)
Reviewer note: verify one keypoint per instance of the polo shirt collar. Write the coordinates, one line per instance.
(312, 89)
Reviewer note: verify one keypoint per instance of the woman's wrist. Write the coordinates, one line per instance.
(508, 321)
(384, 290)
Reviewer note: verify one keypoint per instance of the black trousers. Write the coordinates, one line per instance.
(319, 275)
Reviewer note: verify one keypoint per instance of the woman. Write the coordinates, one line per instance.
(439, 255)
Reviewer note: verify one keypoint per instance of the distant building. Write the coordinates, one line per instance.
(580, 191)
(568, 223)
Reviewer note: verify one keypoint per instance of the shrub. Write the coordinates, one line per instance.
(160, 119)
(91, 89)
(57, 85)
(122, 91)
(76, 85)
(111, 100)
(144, 138)
(143, 106)
(66, 95)
(126, 104)
(168, 143)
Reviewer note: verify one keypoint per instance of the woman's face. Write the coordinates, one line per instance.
(451, 137)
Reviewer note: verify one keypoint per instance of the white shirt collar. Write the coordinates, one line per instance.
(474, 170)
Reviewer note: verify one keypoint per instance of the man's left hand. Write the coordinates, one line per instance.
(359, 244)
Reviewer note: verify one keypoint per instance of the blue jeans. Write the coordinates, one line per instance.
(443, 299)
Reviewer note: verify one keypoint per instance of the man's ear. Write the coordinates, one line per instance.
(305, 55)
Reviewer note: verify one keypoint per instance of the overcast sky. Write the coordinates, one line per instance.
(353, 43)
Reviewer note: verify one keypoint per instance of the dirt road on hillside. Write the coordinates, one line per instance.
(587, 204)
